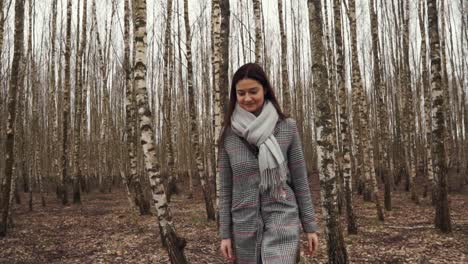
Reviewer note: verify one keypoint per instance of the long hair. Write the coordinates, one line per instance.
(255, 72)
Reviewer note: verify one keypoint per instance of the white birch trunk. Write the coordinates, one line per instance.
(174, 244)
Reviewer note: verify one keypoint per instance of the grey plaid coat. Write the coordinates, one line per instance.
(263, 228)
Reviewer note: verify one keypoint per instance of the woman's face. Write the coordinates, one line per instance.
(250, 95)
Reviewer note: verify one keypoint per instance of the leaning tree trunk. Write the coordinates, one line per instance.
(133, 183)
(210, 212)
(442, 210)
(284, 63)
(175, 244)
(11, 104)
(335, 242)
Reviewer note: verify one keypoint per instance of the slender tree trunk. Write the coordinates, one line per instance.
(336, 247)
(445, 81)
(223, 80)
(31, 82)
(344, 156)
(53, 122)
(17, 195)
(210, 212)
(258, 30)
(382, 105)
(356, 83)
(371, 186)
(106, 110)
(224, 57)
(167, 124)
(85, 80)
(357, 95)
(78, 108)
(2, 25)
(31, 184)
(11, 105)
(174, 243)
(133, 181)
(442, 210)
(427, 99)
(284, 63)
(12, 195)
(409, 108)
(66, 108)
(217, 102)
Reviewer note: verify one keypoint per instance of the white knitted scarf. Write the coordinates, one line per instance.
(258, 131)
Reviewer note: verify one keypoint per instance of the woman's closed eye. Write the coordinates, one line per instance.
(242, 93)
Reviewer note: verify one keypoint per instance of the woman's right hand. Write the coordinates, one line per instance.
(226, 249)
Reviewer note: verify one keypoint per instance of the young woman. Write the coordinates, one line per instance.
(264, 196)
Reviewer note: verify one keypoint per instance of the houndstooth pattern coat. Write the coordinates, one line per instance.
(263, 229)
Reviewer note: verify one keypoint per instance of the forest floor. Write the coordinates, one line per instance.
(103, 230)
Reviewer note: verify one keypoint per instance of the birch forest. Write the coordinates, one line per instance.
(111, 110)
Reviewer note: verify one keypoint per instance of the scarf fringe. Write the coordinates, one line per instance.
(273, 180)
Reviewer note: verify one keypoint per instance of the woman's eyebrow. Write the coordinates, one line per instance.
(247, 89)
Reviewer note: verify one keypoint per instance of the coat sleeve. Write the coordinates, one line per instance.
(225, 194)
(300, 183)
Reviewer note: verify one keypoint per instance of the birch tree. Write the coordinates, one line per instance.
(217, 102)
(344, 155)
(53, 121)
(32, 82)
(334, 236)
(133, 181)
(78, 107)
(258, 30)
(284, 63)
(2, 25)
(15, 82)
(174, 243)
(167, 103)
(210, 212)
(371, 188)
(356, 83)
(66, 108)
(379, 87)
(442, 211)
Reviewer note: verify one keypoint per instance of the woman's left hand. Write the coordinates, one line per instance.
(312, 243)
